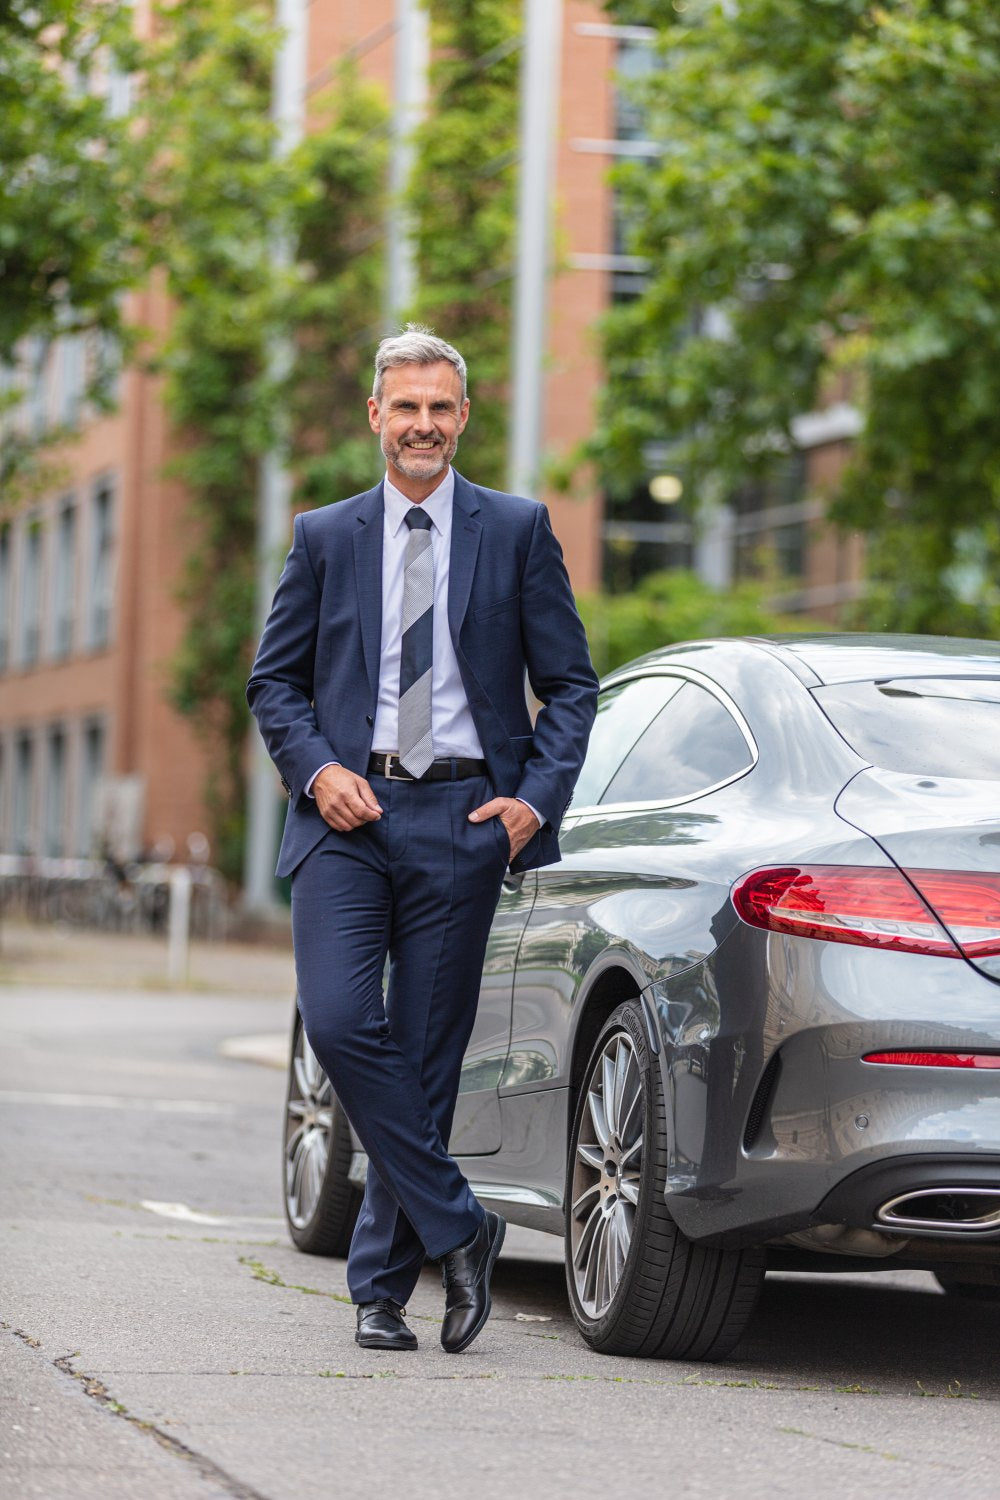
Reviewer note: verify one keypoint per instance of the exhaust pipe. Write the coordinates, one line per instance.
(949, 1210)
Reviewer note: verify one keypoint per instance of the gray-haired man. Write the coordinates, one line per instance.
(389, 688)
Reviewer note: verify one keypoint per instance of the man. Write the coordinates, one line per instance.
(389, 688)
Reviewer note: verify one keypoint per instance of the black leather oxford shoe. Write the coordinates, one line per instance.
(381, 1326)
(466, 1276)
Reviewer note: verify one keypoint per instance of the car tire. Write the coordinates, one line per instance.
(649, 1292)
(321, 1202)
(972, 1291)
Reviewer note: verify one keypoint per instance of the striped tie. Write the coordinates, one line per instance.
(416, 750)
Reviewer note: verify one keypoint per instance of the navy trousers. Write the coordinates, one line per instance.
(421, 885)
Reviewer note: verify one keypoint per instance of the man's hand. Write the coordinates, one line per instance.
(518, 819)
(345, 800)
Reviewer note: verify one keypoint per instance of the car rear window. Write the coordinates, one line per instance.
(921, 726)
(693, 744)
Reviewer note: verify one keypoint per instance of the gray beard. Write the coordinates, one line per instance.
(398, 460)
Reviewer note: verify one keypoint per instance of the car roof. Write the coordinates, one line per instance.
(859, 658)
(818, 660)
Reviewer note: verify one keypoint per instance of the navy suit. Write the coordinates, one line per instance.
(421, 884)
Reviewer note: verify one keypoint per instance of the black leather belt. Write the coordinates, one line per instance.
(448, 768)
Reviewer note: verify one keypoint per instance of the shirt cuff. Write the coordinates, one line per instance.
(309, 783)
(528, 805)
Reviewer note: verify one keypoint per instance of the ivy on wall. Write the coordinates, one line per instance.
(216, 196)
(463, 205)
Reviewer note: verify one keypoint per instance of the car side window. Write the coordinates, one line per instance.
(693, 743)
(623, 712)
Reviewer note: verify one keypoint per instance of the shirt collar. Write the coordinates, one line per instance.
(437, 505)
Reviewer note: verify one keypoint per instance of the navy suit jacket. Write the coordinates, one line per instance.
(314, 684)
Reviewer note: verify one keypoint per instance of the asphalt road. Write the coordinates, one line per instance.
(160, 1337)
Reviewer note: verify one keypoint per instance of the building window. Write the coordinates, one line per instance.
(771, 524)
(6, 573)
(4, 809)
(38, 361)
(101, 566)
(54, 841)
(22, 811)
(30, 612)
(637, 60)
(643, 535)
(93, 751)
(64, 582)
(73, 377)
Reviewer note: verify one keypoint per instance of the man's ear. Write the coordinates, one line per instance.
(463, 416)
(374, 421)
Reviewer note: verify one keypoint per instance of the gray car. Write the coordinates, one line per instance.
(752, 1019)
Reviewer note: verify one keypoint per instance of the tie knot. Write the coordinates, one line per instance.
(417, 519)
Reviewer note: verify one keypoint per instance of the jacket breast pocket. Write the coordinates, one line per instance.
(499, 606)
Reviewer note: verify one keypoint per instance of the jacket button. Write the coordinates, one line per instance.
(369, 720)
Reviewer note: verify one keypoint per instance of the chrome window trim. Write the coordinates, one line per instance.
(620, 679)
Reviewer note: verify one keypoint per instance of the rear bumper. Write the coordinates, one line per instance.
(758, 1152)
(902, 1195)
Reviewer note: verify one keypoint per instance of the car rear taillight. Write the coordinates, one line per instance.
(967, 902)
(935, 1059)
(876, 908)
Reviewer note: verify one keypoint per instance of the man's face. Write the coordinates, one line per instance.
(419, 418)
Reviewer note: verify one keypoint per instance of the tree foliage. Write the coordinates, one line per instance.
(462, 200)
(673, 606)
(67, 246)
(829, 182)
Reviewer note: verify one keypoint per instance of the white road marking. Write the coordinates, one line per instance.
(118, 1101)
(179, 1211)
(194, 1216)
(269, 1048)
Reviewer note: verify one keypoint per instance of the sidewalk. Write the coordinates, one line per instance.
(50, 955)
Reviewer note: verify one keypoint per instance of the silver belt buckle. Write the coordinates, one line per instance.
(388, 769)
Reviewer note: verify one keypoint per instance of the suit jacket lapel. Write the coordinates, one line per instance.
(368, 578)
(466, 534)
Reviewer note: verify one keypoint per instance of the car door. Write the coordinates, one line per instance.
(665, 742)
(476, 1130)
(623, 711)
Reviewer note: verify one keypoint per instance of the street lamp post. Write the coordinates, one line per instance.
(412, 44)
(274, 480)
(539, 111)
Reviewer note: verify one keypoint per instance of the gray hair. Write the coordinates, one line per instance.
(415, 346)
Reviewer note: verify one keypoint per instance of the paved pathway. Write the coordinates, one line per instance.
(161, 1337)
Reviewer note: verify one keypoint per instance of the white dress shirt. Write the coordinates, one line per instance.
(452, 729)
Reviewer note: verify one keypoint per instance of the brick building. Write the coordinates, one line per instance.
(89, 571)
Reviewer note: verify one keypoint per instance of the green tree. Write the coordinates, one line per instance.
(829, 183)
(339, 229)
(67, 247)
(673, 606)
(462, 200)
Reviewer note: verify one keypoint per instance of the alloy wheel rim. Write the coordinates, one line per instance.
(307, 1133)
(607, 1169)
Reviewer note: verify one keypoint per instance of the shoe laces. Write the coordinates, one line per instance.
(455, 1269)
(387, 1305)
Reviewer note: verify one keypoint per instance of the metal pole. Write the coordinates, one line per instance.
(178, 924)
(274, 481)
(412, 61)
(539, 113)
